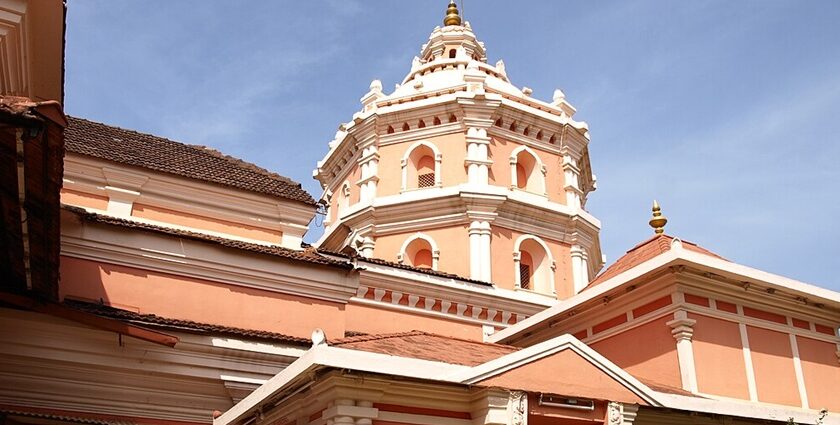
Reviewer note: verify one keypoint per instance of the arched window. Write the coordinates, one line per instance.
(390, 130)
(419, 250)
(421, 166)
(453, 118)
(534, 265)
(527, 171)
(539, 135)
(405, 127)
(421, 124)
(437, 121)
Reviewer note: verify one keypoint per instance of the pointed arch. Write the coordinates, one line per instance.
(421, 166)
(534, 264)
(527, 171)
(419, 250)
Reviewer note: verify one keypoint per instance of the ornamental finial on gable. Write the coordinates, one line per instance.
(452, 17)
(658, 221)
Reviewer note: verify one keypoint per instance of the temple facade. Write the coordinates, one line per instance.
(459, 281)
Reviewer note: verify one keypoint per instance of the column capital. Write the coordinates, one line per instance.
(621, 413)
(682, 328)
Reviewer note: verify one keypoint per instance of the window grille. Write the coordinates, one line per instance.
(426, 180)
(524, 276)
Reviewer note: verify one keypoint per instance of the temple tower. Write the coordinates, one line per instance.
(459, 170)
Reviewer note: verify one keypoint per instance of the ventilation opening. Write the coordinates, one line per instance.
(426, 180)
(452, 53)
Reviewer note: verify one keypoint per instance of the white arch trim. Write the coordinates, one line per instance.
(537, 160)
(427, 238)
(517, 254)
(404, 161)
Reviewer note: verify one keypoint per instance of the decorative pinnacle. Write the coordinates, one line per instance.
(658, 221)
(452, 17)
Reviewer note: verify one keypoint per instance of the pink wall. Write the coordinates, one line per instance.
(500, 151)
(151, 292)
(775, 378)
(501, 250)
(373, 320)
(82, 199)
(719, 358)
(453, 243)
(206, 223)
(648, 352)
(821, 370)
(453, 149)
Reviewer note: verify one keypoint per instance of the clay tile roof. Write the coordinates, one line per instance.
(129, 147)
(396, 265)
(659, 244)
(63, 418)
(308, 255)
(154, 321)
(427, 346)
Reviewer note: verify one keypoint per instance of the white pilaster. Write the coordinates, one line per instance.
(621, 413)
(797, 367)
(578, 279)
(682, 328)
(475, 249)
(477, 160)
(486, 267)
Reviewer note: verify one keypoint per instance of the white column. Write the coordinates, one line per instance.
(477, 159)
(682, 328)
(475, 250)
(404, 164)
(584, 268)
(517, 277)
(367, 247)
(577, 268)
(485, 252)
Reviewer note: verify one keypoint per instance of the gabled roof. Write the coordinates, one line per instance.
(306, 255)
(658, 244)
(129, 147)
(427, 346)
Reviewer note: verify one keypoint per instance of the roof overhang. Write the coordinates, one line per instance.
(676, 256)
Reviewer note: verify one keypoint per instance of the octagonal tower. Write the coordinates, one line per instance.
(459, 170)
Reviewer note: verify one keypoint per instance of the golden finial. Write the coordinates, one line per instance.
(452, 17)
(658, 221)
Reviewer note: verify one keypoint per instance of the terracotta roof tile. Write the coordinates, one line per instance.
(308, 255)
(427, 346)
(129, 147)
(63, 418)
(396, 265)
(658, 244)
(151, 320)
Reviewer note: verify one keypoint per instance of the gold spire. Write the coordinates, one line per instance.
(658, 220)
(452, 17)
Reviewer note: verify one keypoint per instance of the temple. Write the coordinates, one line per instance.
(459, 280)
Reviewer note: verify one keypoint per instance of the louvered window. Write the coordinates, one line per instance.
(524, 276)
(426, 180)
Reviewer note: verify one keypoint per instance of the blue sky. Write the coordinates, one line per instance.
(727, 112)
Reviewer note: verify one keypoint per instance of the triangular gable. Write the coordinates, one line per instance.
(566, 373)
(564, 366)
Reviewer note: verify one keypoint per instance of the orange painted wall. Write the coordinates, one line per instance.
(560, 372)
(647, 351)
(453, 149)
(453, 243)
(160, 293)
(772, 360)
(719, 357)
(181, 218)
(501, 251)
(821, 371)
(500, 150)
(373, 320)
(82, 199)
